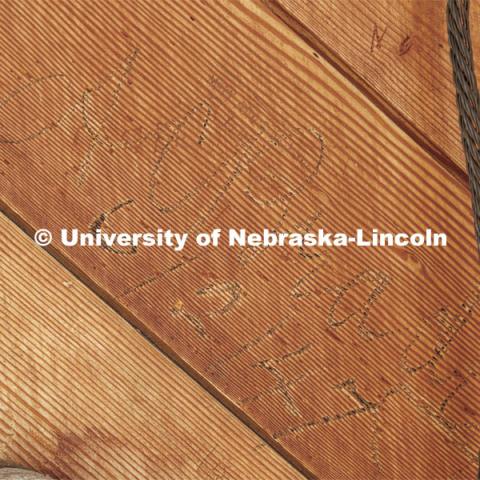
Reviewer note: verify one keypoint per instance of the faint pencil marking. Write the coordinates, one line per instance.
(463, 381)
(276, 176)
(231, 289)
(194, 320)
(377, 38)
(405, 45)
(451, 323)
(102, 220)
(168, 146)
(365, 406)
(251, 344)
(157, 276)
(24, 88)
(379, 281)
(298, 290)
(95, 133)
(283, 384)
(276, 389)
(211, 467)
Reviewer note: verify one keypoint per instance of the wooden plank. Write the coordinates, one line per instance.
(84, 396)
(398, 53)
(196, 115)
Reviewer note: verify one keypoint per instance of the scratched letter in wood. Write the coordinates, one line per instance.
(398, 52)
(84, 396)
(361, 363)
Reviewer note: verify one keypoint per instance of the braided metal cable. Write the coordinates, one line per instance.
(468, 100)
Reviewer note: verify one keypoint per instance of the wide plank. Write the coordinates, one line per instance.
(197, 115)
(84, 396)
(398, 53)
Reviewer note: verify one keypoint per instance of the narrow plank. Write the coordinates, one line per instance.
(84, 396)
(396, 51)
(197, 115)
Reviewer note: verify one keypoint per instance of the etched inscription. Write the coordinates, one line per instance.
(377, 282)
(377, 38)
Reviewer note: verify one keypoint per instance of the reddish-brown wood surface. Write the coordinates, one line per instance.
(397, 52)
(359, 362)
(84, 396)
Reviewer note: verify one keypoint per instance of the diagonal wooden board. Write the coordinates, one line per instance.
(398, 53)
(358, 362)
(84, 396)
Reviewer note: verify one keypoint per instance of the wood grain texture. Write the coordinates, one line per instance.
(85, 396)
(361, 363)
(398, 52)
